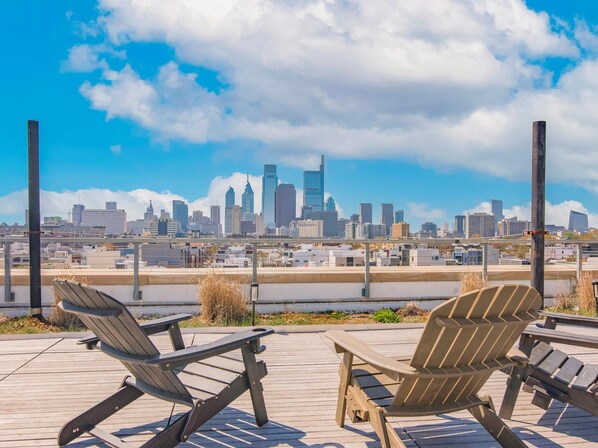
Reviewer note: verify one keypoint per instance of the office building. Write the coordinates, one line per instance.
(399, 230)
(247, 199)
(269, 184)
(479, 225)
(399, 216)
(228, 211)
(365, 213)
(386, 216)
(285, 204)
(164, 227)
(512, 226)
(313, 188)
(237, 217)
(459, 228)
(429, 230)
(215, 214)
(77, 213)
(114, 220)
(310, 228)
(180, 213)
(110, 205)
(578, 222)
(497, 211)
(369, 231)
(330, 222)
(330, 204)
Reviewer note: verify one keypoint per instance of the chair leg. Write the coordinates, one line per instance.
(345, 379)
(98, 413)
(511, 392)
(255, 387)
(378, 421)
(485, 414)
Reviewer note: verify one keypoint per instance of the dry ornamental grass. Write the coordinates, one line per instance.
(471, 281)
(62, 318)
(585, 293)
(222, 300)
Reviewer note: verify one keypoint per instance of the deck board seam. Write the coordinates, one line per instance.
(35, 357)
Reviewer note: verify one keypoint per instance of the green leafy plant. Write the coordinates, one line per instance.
(386, 316)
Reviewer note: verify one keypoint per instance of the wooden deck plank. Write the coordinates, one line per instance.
(300, 392)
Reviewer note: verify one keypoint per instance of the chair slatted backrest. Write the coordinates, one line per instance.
(122, 333)
(472, 333)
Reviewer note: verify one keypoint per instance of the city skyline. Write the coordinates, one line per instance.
(128, 115)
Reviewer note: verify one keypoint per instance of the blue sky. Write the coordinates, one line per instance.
(180, 99)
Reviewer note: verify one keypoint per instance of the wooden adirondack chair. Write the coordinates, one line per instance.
(465, 340)
(551, 373)
(206, 387)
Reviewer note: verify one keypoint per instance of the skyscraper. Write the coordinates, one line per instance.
(365, 213)
(330, 204)
(149, 212)
(285, 204)
(215, 214)
(497, 211)
(180, 213)
(386, 216)
(269, 184)
(399, 216)
(77, 213)
(578, 221)
(247, 199)
(459, 229)
(313, 188)
(228, 211)
(479, 225)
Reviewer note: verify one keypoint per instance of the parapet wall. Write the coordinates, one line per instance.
(168, 291)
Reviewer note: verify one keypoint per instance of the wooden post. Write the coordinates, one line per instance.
(538, 205)
(366, 289)
(35, 264)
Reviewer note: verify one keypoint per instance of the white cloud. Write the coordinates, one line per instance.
(421, 212)
(86, 58)
(447, 84)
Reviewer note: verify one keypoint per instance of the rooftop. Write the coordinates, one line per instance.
(44, 381)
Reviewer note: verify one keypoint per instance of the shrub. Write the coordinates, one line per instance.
(471, 281)
(222, 300)
(565, 301)
(386, 316)
(584, 292)
(61, 318)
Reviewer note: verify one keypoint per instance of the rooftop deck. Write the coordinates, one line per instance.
(44, 381)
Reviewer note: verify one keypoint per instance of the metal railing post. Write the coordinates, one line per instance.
(136, 292)
(8, 295)
(366, 289)
(254, 264)
(579, 261)
(484, 262)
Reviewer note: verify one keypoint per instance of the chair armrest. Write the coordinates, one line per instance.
(195, 353)
(344, 342)
(151, 327)
(552, 319)
(518, 357)
(548, 335)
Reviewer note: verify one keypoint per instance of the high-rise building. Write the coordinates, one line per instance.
(578, 221)
(77, 212)
(180, 213)
(247, 199)
(400, 230)
(329, 220)
(149, 212)
(228, 211)
(330, 204)
(313, 188)
(114, 220)
(459, 228)
(215, 214)
(237, 217)
(399, 216)
(512, 227)
(386, 216)
(479, 225)
(429, 229)
(269, 184)
(310, 228)
(110, 205)
(497, 211)
(285, 204)
(365, 213)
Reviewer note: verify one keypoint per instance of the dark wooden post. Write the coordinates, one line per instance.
(35, 273)
(538, 205)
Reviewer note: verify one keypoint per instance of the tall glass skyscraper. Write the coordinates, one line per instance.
(330, 204)
(247, 199)
(180, 213)
(269, 184)
(286, 199)
(365, 213)
(386, 216)
(228, 211)
(313, 188)
(399, 216)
